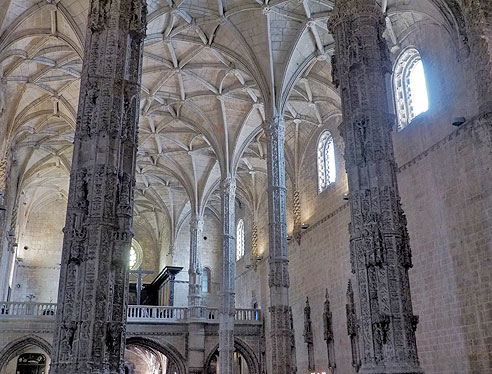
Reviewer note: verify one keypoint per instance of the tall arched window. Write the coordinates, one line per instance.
(410, 88)
(239, 240)
(326, 161)
(206, 280)
(136, 255)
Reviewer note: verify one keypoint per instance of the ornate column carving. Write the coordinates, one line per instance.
(278, 278)
(254, 245)
(91, 318)
(478, 16)
(3, 173)
(227, 307)
(296, 200)
(379, 244)
(195, 270)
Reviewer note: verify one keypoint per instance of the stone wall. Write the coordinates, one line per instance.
(211, 257)
(39, 252)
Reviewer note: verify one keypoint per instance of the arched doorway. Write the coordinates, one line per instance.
(31, 363)
(145, 356)
(245, 361)
(27, 355)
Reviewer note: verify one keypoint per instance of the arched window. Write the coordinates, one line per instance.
(326, 161)
(410, 87)
(240, 240)
(206, 280)
(136, 255)
(31, 363)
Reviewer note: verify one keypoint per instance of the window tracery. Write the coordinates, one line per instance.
(135, 256)
(240, 240)
(326, 161)
(410, 87)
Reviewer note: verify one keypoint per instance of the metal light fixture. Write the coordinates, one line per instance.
(458, 121)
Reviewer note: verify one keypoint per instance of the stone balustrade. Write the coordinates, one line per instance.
(135, 313)
(26, 309)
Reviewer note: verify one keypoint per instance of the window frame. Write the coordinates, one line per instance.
(139, 253)
(206, 270)
(402, 93)
(324, 140)
(240, 239)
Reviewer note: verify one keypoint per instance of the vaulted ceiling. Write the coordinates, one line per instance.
(212, 71)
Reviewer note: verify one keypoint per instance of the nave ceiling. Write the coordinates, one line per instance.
(212, 72)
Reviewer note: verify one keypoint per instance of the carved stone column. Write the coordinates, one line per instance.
(379, 243)
(227, 306)
(91, 316)
(478, 16)
(278, 278)
(296, 202)
(3, 174)
(195, 270)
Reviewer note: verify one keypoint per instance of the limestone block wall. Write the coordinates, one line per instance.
(211, 253)
(39, 252)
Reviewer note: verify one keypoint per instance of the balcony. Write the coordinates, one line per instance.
(135, 313)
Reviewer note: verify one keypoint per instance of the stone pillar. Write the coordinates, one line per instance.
(478, 14)
(296, 202)
(92, 296)
(3, 175)
(278, 277)
(195, 270)
(379, 244)
(227, 307)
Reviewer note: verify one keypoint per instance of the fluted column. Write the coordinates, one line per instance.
(379, 243)
(195, 270)
(278, 278)
(227, 300)
(91, 318)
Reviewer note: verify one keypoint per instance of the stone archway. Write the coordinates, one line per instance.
(15, 347)
(244, 349)
(175, 358)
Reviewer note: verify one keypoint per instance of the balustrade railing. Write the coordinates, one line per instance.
(248, 315)
(135, 313)
(156, 313)
(27, 309)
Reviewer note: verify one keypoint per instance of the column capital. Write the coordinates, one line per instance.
(273, 125)
(228, 185)
(196, 223)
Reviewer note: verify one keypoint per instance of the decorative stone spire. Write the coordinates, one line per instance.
(227, 308)
(379, 244)
(278, 278)
(328, 333)
(352, 326)
(91, 318)
(195, 270)
(308, 335)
